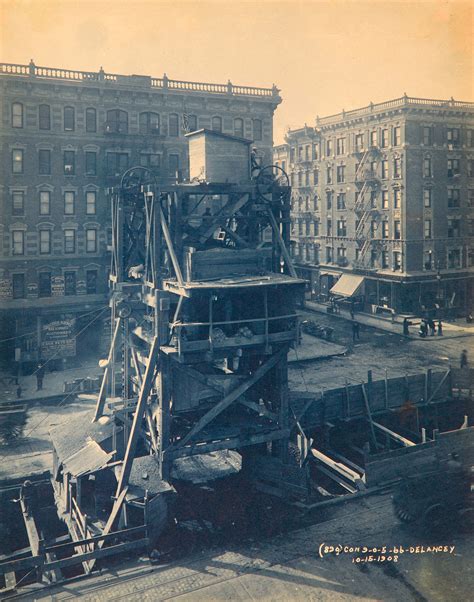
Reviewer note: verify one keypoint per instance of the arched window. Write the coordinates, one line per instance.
(192, 123)
(69, 119)
(44, 117)
(117, 122)
(17, 115)
(91, 120)
(149, 123)
(173, 125)
(257, 129)
(217, 124)
(239, 127)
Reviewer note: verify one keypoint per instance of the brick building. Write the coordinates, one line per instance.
(67, 136)
(386, 192)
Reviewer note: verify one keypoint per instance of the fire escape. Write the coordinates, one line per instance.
(367, 182)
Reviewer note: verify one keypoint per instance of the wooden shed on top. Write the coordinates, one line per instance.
(218, 158)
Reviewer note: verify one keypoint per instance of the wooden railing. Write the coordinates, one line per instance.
(404, 101)
(31, 70)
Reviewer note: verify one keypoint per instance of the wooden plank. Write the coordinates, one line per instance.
(228, 210)
(339, 481)
(169, 244)
(281, 242)
(96, 539)
(340, 468)
(406, 442)
(369, 414)
(95, 554)
(440, 384)
(99, 409)
(21, 564)
(232, 396)
(259, 408)
(137, 417)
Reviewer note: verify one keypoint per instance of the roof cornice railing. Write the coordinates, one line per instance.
(33, 71)
(404, 101)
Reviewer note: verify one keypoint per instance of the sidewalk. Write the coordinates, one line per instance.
(450, 329)
(53, 383)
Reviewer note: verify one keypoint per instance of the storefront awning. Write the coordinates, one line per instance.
(348, 285)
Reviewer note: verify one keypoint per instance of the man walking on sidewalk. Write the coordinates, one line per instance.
(39, 377)
(355, 331)
(463, 362)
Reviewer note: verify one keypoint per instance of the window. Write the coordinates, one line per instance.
(45, 242)
(397, 198)
(257, 129)
(373, 138)
(192, 123)
(384, 169)
(427, 135)
(452, 136)
(149, 123)
(69, 203)
(315, 154)
(373, 228)
(397, 167)
(18, 242)
(91, 163)
(69, 241)
(306, 152)
(292, 155)
(329, 200)
(44, 284)
(69, 161)
(341, 255)
(117, 163)
(453, 167)
(454, 197)
(44, 202)
(341, 200)
(385, 201)
(470, 138)
(17, 115)
(397, 136)
(427, 228)
(341, 174)
(239, 127)
(44, 162)
(91, 240)
(329, 227)
(373, 258)
(329, 255)
(384, 260)
(373, 199)
(91, 196)
(427, 197)
(397, 261)
(341, 227)
(385, 230)
(44, 117)
(18, 286)
(316, 227)
(69, 283)
(306, 178)
(117, 122)
(359, 142)
(454, 227)
(470, 197)
(329, 148)
(18, 202)
(173, 165)
(151, 160)
(470, 168)
(91, 282)
(428, 260)
(454, 258)
(91, 120)
(17, 161)
(316, 254)
(300, 178)
(315, 177)
(329, 174)
(69, 118)
(216, 124)
(427, 172)
(173, 125)
(283, 165)
(341, 146)
(397, 230)
(384, 138)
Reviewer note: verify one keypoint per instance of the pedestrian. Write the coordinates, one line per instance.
(28, 496)
(440, 328)
(355, 331)
(463, 360)
(432, 327)
(352, 309)
(406, 324)
(39, 377)
(18, 391)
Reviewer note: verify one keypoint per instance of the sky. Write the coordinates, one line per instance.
(325, 56)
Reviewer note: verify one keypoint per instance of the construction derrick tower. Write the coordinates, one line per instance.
(366, 213)
(203, 312)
